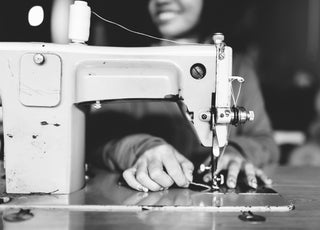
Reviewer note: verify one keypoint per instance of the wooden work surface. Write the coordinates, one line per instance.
(299, 185)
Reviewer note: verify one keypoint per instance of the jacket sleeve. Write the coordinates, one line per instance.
(254, 138)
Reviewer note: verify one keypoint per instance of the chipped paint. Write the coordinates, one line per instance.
(44, 123)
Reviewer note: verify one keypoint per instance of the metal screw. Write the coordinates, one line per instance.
(250, 115)
(205, 116)
(97, 105)
(38, 59)
(218, 38)
(198, 71)
(4, 199)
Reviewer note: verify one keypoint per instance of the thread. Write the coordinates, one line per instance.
(79, 22)
(147, 35)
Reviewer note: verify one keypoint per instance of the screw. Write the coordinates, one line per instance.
(198, 71)
(38, 59)
(204, 116)
(218, 38)
(250, 115)
(97, 105)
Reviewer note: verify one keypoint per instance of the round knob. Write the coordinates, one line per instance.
(218, 38)
(250, 115)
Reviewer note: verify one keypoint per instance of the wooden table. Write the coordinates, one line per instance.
(300, 185)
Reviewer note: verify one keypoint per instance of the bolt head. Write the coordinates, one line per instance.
(39, 59)
(218, 38)
(198, 71)
(250, 115)
(204, 116)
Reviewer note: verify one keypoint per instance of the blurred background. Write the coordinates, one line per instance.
(283, 36)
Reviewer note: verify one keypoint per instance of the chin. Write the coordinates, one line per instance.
(170, 32)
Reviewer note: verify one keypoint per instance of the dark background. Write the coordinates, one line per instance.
(282, 35)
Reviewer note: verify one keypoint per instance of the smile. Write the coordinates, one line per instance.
(164, 16)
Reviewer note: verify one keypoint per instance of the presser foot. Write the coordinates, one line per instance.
(217, 182)
(206, 179)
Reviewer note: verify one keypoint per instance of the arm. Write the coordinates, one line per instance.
(147, 162)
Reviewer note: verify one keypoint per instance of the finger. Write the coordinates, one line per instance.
(207, 160)
(223, 162)
(157, 174)
(251, 175)
(129, 177)
(233, 172)
(207, 177)
(259, 173)
(186, 165)
(174, 169)
(144, 179)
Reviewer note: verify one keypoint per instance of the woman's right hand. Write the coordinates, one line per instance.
(159, 168)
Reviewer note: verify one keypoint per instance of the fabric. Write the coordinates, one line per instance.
(119, 129)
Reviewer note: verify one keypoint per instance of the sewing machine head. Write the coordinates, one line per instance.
(41, 85)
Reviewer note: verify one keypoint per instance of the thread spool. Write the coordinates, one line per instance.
(79, 22)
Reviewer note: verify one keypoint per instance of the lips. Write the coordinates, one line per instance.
(166, 13)
(164, 16)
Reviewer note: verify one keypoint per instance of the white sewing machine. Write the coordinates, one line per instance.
(42, 84)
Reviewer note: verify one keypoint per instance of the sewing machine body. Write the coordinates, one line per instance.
(42, 84)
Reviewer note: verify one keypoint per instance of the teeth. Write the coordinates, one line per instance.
(164, 16)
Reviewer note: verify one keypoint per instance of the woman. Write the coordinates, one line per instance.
(155, 145)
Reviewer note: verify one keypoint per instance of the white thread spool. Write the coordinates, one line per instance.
(79, 22)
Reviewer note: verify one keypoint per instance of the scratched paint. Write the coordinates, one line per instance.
(44, 123)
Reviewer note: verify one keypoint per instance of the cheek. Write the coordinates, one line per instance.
(152, 10)
(193, 14)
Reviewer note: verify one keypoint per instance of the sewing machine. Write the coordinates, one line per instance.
(42, 86)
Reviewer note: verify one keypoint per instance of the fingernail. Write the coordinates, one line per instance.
(253, 183)
(189, 177)
(143, 189)
(231, 183)
(140, 188)
(186, 184)
(268, 181)
(206, 178)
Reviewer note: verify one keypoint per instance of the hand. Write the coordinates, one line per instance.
(158, 168)
(234, 162)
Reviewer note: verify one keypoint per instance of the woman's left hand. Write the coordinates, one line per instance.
(234, 162)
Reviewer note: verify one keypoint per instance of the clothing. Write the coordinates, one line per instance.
(125, 126)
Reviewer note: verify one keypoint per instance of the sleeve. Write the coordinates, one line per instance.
(255, 138)
(120, 154)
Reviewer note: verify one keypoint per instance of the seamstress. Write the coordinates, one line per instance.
(151, 142)
(156, 152)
